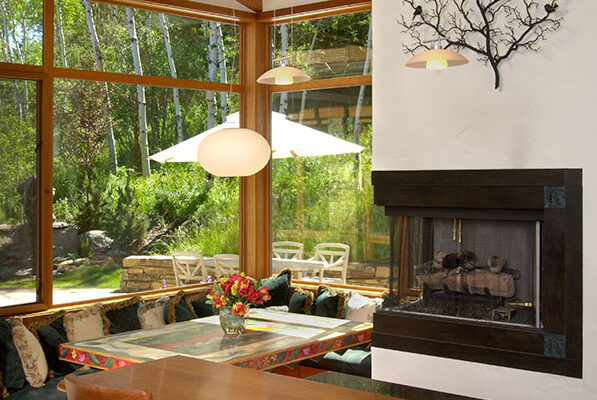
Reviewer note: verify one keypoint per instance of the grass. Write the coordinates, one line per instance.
(89, 276)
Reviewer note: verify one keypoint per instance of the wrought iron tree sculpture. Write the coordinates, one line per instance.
(493, 29)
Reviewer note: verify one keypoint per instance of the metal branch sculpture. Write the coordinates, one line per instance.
(493, 29)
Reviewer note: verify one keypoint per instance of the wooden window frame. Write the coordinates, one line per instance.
(254, 192)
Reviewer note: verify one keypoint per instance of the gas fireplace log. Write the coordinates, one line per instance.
(473, 282)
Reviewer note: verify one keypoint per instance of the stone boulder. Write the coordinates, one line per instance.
(98, 241)
(66, 239)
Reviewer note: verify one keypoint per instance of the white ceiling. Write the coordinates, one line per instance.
(268, 5)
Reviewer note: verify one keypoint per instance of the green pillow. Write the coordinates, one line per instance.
(177, 310)
(198, 303)
(122, 316)
(329, 303)
(301, 301)
(279, 289)
(10, 363)
(51, 334)
(351, 361)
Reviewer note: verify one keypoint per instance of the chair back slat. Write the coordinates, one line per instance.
(288, 250)
(188, 266)
(226, 264)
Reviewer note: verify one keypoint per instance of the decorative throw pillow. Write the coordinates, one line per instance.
(360, 308)
(51, 334)
(10, 363)
(85, 324)
(151, 315)
(279, 288)
(177, 310)
(329, 303)
(30, 352)
(301, 301)
(198, 303)
(121, 316)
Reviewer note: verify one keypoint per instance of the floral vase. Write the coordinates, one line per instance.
(231, 324)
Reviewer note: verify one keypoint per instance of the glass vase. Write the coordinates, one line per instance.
(231, 324)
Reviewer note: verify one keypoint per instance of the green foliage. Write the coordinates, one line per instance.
(122, 218)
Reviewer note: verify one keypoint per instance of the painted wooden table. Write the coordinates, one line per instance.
(184, 378)
(272, 339)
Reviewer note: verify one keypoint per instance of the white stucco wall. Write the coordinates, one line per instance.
(543, 117)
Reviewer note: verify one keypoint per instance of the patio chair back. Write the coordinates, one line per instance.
(289, 250)
(78, 389)
(226, 264)
(188, 267)
(334, 257)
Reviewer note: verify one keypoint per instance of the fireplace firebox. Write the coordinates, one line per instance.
(486, 266)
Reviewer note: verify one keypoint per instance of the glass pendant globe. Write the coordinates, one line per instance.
(234, 152)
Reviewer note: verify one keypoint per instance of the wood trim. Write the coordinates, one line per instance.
(324, 84)
(314, 10)
(10, 70)
(45, 162)
(254, 207)
(255, 5)
(187, 8)
(28, 309)
(114, 77)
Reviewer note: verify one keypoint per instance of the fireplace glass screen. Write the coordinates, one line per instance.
(476, 269)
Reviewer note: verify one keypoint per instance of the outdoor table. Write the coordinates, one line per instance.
(272, 339)
(185, 378)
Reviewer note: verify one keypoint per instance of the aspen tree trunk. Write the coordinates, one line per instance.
(20, 55)
(60, 34)
(144, 147)
(6, 49)
(284, 95)
(175, 95)
(212, 55)
(223, 74)
(99, 61)
(304, 95)
(357, 113)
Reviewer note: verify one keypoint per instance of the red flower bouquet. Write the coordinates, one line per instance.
(237, 291)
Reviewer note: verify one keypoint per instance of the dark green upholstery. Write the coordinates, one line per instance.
(351, 361)
(329, 303)
(297, 302)
(122, 316)
(279, 289)
(201, 308)
(177, 310)
(48, 391)
(10, 363)
(51, 336)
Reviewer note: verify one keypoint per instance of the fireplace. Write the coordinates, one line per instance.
(486, 266)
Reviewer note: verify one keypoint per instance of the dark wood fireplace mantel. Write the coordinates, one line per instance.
(551, 196)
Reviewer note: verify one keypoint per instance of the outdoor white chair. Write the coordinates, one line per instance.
(289, 250)
(188, 267)
(334, 257)
(226, 264)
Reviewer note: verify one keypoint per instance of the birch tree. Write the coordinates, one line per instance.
(99, 61)
(175, 95)
(284, 37)
(7, 53)
(143, 144)
(304, 94)
(60, 34)
(223, 74)
(212, 55)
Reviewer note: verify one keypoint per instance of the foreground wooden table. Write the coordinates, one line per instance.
(182, 378)
(272, 339)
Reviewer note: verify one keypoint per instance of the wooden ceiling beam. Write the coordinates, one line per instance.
(314, 10)
(255, 5)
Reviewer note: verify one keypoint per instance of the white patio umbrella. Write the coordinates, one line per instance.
(289, 139)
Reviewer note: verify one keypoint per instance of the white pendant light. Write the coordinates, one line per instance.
(283, 75)
(234, 152)
(436, 58)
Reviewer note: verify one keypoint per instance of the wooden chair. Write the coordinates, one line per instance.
(334, 257)
(78, 389)
(188, 267)
(226, 264)
(289, 250)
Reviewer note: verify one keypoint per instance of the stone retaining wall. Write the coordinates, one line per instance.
(147, 272)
